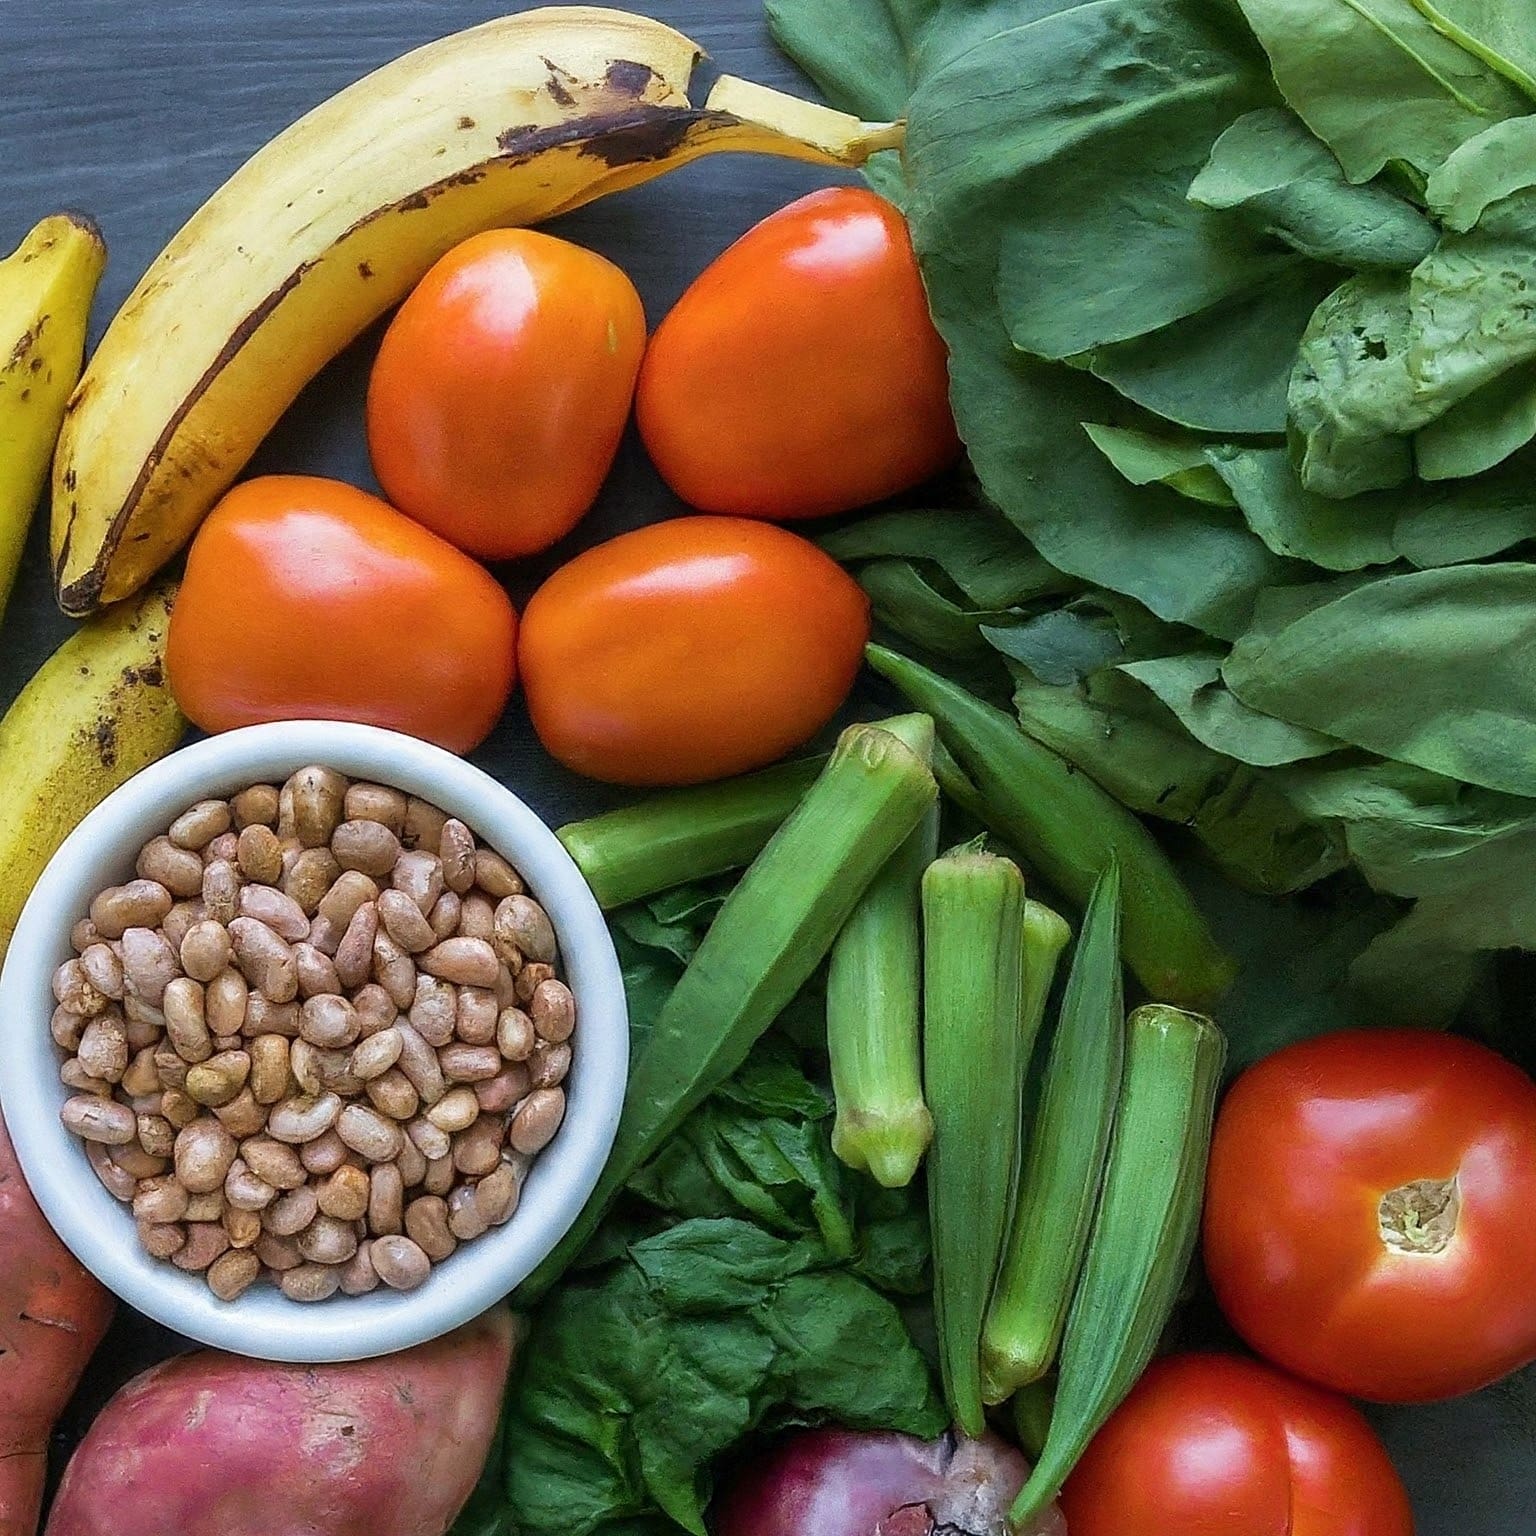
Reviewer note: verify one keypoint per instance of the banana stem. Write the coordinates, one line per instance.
(836, 135)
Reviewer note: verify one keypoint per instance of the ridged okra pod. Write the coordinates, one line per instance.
(1143, 1233)
(874, 1006)
(1063, 1159)
(774, 929)
(973, 994)
(685, 834)
(1068, 829)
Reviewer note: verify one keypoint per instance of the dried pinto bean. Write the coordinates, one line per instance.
(310, 1282)
(179, 870)
(318, 797)
(523, 925)
(367, 846)
(426, 1223)
(308, 876)
(500, 1093)
(358, 1276)
(344, 1195)
(477, 918)
(456, 848)
(404, 922)
(536, 1120)
(119, 1183)
(225, 1002)
(233, 1273)
(138, 904)
(376, 802)
(386, 1200)
(399, 1262)
(206, 1241)
(465, 962)
(420, 876)
(301, 1120)
(97, 1119)
(317, 971)
(260, 855)
(198, 825)
(325, 1154)
(282, 914)
(495, 876)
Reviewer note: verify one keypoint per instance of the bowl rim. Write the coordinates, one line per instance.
(98, 1229)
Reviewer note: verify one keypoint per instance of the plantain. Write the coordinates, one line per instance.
(336, 219)
(98, 710)
(46, 288)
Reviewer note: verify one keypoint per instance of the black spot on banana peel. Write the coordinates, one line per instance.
(509, 123)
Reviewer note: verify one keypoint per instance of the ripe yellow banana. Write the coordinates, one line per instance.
(96, 712)
(46, 288)
(339, 216)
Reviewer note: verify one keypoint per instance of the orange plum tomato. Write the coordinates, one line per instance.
(689, 650)
(308, 599)
(501, 390)
(801, 375)
(1368, 1221)
(1214, 1445)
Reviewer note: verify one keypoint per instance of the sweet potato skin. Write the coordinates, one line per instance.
(212, 1444)
(52, 1316)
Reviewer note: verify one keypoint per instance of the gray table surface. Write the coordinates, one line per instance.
(135, 110)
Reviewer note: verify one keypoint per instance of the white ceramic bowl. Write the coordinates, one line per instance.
(100, 1231)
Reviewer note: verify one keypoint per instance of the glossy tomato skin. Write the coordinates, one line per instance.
(308, 599)
(801, 375)
(1308, 1143)
(502, 388)
(689, 650)
(1214, 1445)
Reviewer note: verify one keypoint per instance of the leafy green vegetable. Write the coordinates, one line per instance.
(1177, 462)
(1227, 368)
(1480, 431)
(1502, 33)
(634, 1379)
(1499, 161)
(1270, 169)
(1465, 636)
(1377, 82)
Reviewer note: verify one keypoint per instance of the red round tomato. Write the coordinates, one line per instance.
(801, 374)
(501, 390)
(1368, 1220)
(1211, 1445)
(689, 650)
(308, 599)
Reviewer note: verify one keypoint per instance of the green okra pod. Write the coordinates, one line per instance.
(874, 996)
(974, 1061)
(685, 834)
(1063, 1160)
(1069, 829)
(1143, 1233)
(774, 929)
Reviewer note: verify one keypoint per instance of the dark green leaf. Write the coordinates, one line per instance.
(1377, 82)
(1465, 636)
(1272, 171)
(1227, 368)
(1499, 161)
(1501, 33)
(1481, 431)
(1145, 458)
(1191, 686)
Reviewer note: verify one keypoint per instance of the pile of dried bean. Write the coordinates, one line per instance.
(320, 1038)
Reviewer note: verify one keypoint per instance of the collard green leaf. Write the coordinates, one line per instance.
(904, 602)
(1133, 746)
(1111, 109)
(1271, 170)
(1059, 647)
(861, 64)
(1226, 369)
(1377, 83)
(1499, 161)
(1191, 686)
(1481, 431)
(1144, 458)
(1502, 33)
(1464, 637)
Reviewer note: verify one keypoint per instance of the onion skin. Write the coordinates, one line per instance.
(840, 1482)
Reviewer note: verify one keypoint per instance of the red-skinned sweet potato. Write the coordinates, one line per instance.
(52, 1315)
(212, 1444)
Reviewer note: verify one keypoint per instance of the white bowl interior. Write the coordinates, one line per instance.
(99, 1229)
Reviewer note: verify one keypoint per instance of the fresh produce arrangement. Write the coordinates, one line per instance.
(1048, 1106)
(319, 1040)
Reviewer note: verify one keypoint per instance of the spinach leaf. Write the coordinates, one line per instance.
(903, 601)
(1481, 431)
(1191, 686)
(1465, 635)
(1126, 740)
(1146, 459)
(1483, 171)
(982, 554)
(1227, 368)
(1377, 82)
(1270, 169)
(633, 1380)
(1502, 33)
(1111, 109)
(1427, 525)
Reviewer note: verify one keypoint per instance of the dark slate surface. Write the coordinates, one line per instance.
(135, 110)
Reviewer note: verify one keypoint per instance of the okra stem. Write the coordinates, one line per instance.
(774, 929)
(1143, 1234)
(1063, 1159)
(973, 933)
(685, 834)
(1069, 829)
(874, 988)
